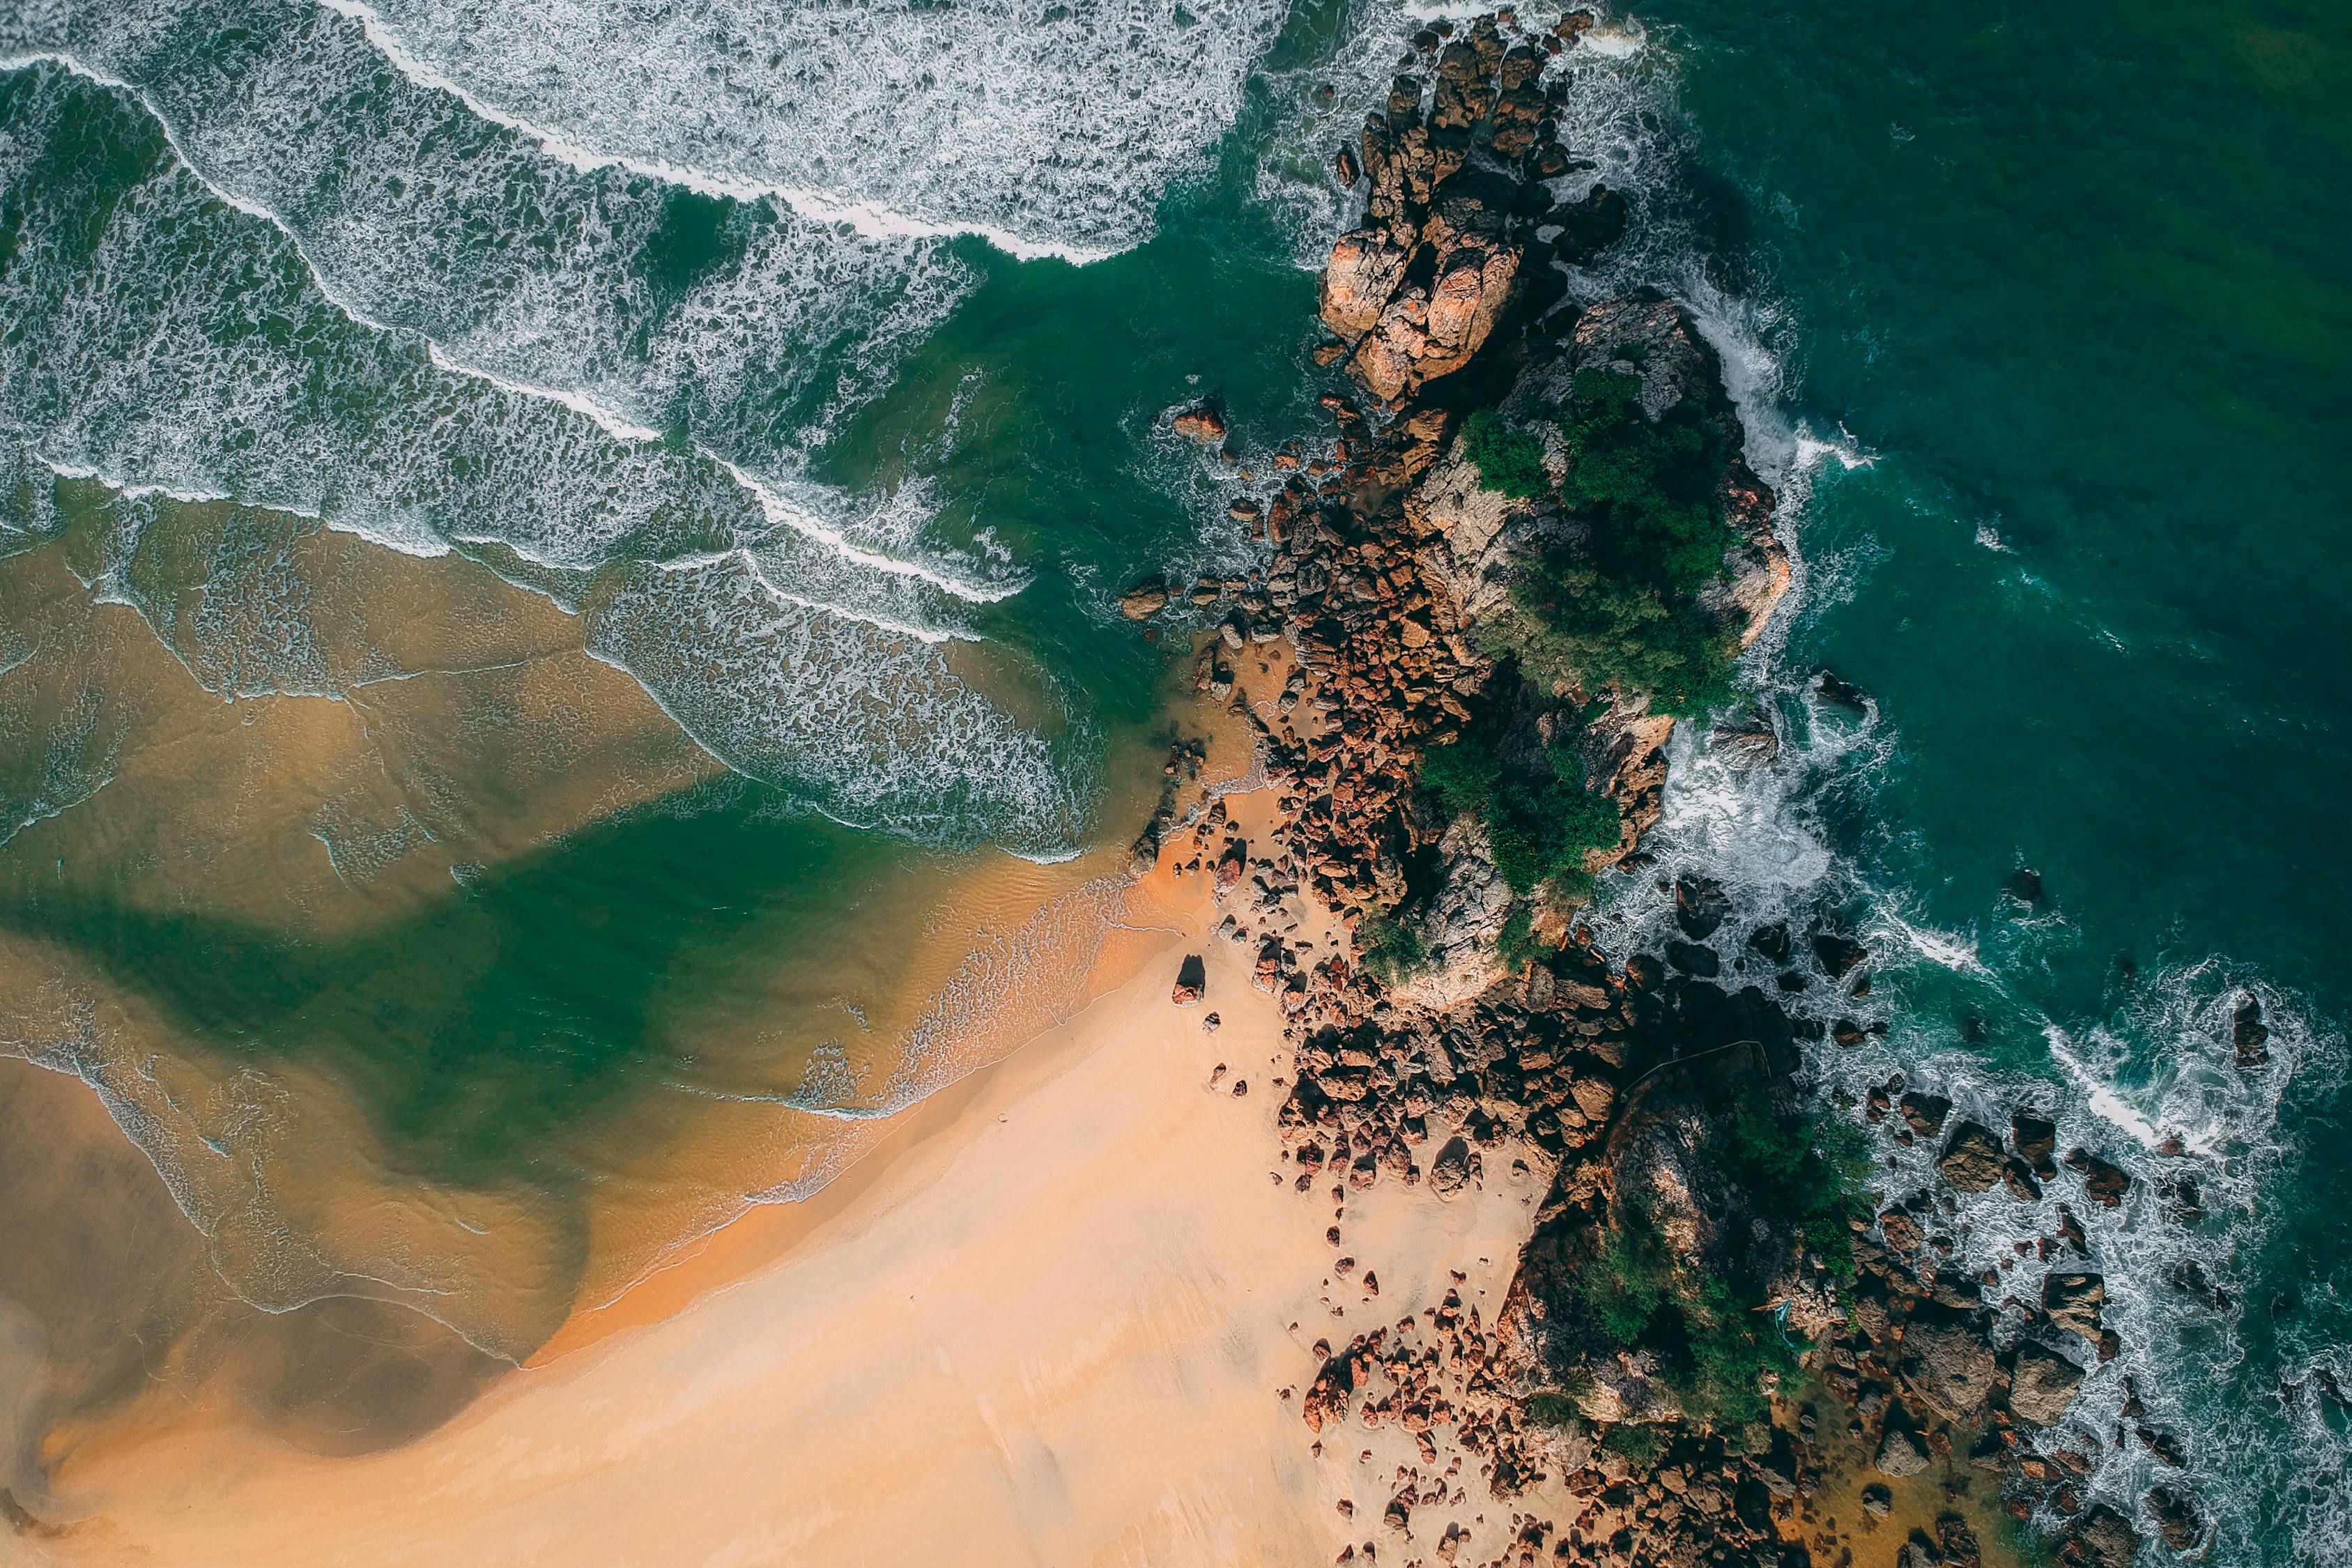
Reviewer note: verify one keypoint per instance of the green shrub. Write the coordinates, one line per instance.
(1575, 623)
(1652, 485)
(1508, 460)
(1538, 827)
(1515, 943)
(1621, 610)
(1631, 1278)
(1391, 950)
(1554, 1410)
(1639, 1446)
(1810, 1170)
(1731, 1349)
(1714, 1352)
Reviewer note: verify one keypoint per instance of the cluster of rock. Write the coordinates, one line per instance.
(1385, 558)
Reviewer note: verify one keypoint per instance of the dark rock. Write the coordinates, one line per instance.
(2025, 885)
(1949, 1367)
(1971, 1160)
(2043, 1384)
(1191, 982)
(2249, 1034)
(2037, 1142)
(2072, 1301)
(1837, 694)
(1692, 959)
(2103, 1183)
(1591, 226)
(1700, 907)
(2178, 1520)
(1838, 952)
(1925, 1113)
(1770, 941)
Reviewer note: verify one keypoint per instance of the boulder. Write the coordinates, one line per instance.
(1191, 982)
(1357, 282)
(2043, 1385)
(2037, 1142)
(1971, 1160)
(2249, 1034)
(2102, 1183)
(1838, 952)
(1949, 1367)
(1900, 1453)
(1202, 423)
(1450, 1172)
(1145, 600)
(2105, 1539)
(1770, 943)
(1692, 959)
(1700, 907)
(1925, 1113)
(2072, 1302)
(2178, 1520)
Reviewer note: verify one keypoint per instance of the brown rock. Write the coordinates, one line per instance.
(1191, 982)
(1971, 1160)
(1145, 600)
(1202, 423)
(2072, 1301)
(2102, 1183)
(2043, 1385)
(1949, 1367)
(1358, 280)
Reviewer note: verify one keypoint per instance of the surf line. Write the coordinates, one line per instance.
(800, 518)
(877, 222)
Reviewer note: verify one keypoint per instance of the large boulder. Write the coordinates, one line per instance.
(2043, 1385)
(1900, 1453)
(1971, 1160)
(2072, 1302)
(1423, 334)
(1357, 282)
(2105, 1539)
(1949, 1367)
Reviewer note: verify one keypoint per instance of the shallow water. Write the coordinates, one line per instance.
(543, 616)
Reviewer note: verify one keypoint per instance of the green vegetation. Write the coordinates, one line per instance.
(1639, 1446)
(1714, 1344)
(1652, 485)
(1622, 609)
(1539, 824)
(1810, 1171)
(1508, 460)
(1390, 950)
(1515, 943)
(1714, 1352)
(1554, 1409)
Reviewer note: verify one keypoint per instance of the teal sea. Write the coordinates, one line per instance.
(558, 573)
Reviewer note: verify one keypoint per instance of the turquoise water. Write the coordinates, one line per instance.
(2075, 285)
(779, 381)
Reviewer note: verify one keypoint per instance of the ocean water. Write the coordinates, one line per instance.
(558, 650)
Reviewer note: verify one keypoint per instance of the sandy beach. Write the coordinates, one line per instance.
(1050, 1324)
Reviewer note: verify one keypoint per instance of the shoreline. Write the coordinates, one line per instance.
(949, 1356)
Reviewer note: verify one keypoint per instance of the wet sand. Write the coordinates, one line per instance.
(1048, 1325)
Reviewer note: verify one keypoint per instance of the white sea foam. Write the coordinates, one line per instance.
(1047, 133)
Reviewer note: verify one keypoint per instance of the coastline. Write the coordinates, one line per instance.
(1053, 1326)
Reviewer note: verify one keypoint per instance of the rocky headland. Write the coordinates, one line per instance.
(1528, 547)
